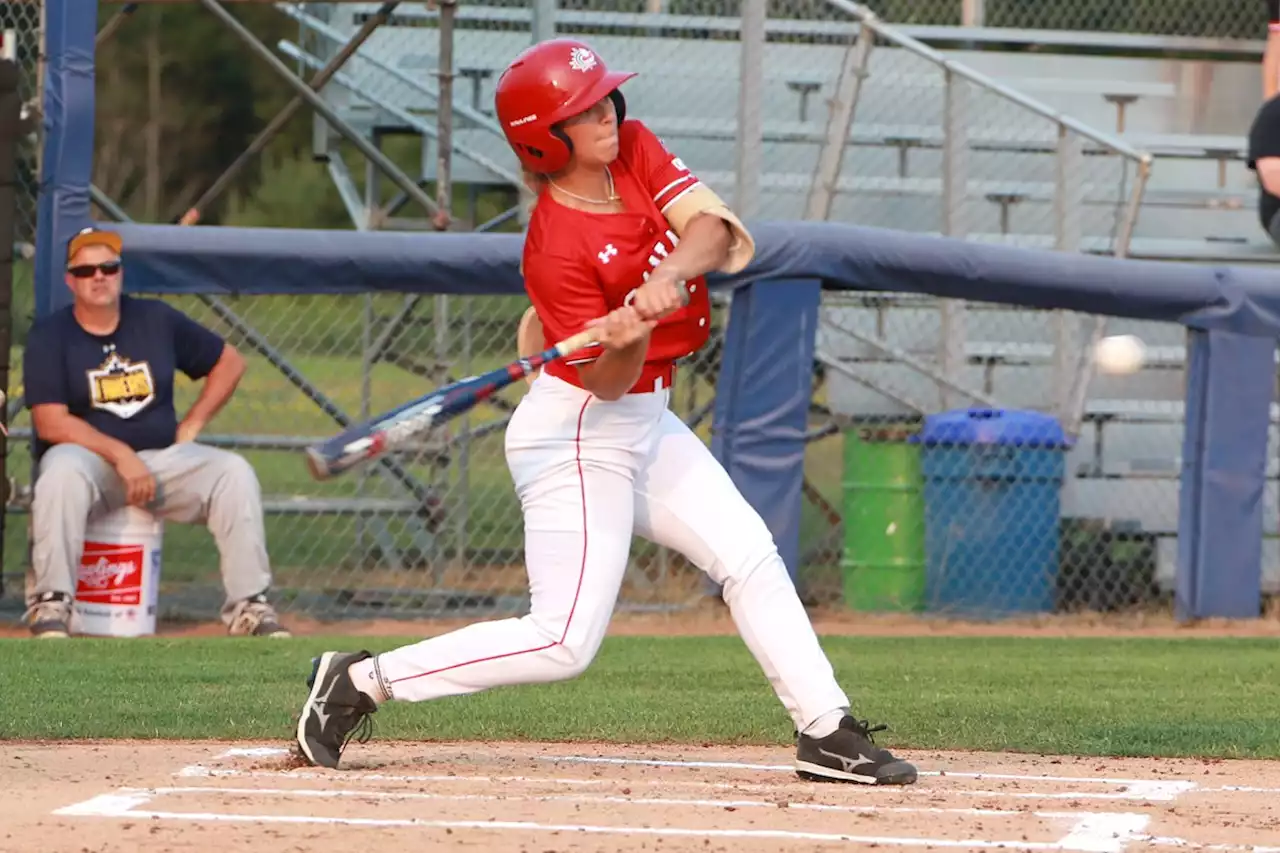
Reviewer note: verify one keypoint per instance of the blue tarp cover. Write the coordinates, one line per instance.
(176, 259)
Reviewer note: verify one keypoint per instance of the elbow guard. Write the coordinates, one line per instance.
(702, 199)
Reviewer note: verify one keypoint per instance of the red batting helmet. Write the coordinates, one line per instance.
(546, 84)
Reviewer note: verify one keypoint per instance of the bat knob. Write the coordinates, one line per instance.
(315, 464)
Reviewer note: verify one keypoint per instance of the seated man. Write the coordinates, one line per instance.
(98, 378)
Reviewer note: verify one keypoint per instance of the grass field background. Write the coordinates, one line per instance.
(1124, 697)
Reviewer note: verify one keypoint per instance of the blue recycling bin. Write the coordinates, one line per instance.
(992, 492)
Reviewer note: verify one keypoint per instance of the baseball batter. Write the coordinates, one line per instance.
(619, 229)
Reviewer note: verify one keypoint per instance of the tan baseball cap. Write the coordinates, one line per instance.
(94, 237)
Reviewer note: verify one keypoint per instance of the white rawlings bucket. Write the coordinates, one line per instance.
(119, 579)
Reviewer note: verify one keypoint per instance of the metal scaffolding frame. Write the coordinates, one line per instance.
(419, 507)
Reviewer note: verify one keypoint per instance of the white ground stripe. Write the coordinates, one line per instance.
(1135, 789)
(787, 768)
(106, 805)
(117, 807)
(1104, 833)
(1162, 794)
(1089, 831)
(346, 793)
(1139, 789)
(1157, 787)
(1170, 841)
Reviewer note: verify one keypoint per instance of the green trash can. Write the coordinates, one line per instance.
(884, 551)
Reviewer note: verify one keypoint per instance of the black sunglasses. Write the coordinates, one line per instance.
(87, 270)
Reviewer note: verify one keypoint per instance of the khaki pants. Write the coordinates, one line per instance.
(195, 484)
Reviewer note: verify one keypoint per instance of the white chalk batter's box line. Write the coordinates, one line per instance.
(1140, 790)
(1085, 831)
(1088, 831)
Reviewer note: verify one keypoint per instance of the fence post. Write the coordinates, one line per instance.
(749, 148)
(762, 402)
(1068, 201)
(1230, 386)
(543, 26)
(955, 188)
(67, 160)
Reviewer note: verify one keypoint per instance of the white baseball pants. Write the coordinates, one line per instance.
(589, 473)
(195, 484)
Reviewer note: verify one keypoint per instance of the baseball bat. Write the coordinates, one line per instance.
(404, 424)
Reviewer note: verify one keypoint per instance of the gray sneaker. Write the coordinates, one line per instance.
(335, 711)
(49, 617)
(849, 755)
(254, 617)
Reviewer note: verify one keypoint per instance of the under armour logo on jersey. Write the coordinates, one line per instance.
(609, 252)
(582, 59)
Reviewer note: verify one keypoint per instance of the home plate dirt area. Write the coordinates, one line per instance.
(158, 796)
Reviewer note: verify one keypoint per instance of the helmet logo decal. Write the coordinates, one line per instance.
(581, 59)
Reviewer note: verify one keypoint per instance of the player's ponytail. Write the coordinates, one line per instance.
(535, 183)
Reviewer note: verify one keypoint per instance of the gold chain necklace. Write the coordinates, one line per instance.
(613, 196)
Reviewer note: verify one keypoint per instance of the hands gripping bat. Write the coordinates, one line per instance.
(407, 423)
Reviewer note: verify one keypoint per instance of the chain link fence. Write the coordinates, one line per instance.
(21, 26)
(892, 520)
(444, 536)
(1000, 511)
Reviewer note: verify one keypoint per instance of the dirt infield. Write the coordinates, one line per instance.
(153, 796)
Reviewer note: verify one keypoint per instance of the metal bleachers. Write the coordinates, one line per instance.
(1199, 202)
(1199, 205)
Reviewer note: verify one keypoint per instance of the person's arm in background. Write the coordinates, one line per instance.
(201, 354)
(219, 384)
(1271, 53)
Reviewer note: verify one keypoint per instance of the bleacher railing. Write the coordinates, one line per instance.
(999, 166)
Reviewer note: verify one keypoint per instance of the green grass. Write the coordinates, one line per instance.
(1130, 697)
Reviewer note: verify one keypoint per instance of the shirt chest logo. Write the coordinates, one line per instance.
(120, 386)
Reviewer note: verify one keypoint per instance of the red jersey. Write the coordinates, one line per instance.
(580, 265)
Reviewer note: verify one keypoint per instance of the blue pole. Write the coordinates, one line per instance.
(67, 156)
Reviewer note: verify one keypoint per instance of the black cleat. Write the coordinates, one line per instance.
(849, 755)
(335, 711)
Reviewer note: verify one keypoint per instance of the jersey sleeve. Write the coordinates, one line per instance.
(196, 349)
(664, 175)
(680, 196)
(565, 296)
(44, 379)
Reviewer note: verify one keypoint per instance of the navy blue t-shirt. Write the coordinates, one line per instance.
(122, 383)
